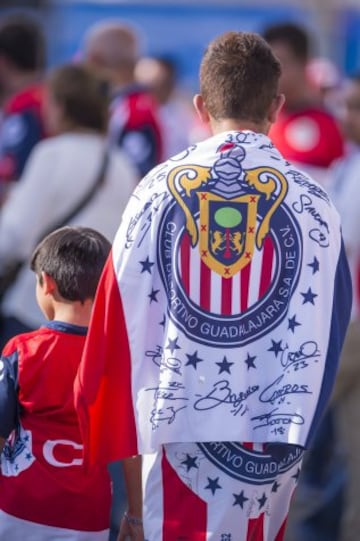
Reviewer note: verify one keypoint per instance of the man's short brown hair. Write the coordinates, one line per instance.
(239, 77)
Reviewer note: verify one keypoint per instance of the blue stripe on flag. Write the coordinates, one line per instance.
(339, 322)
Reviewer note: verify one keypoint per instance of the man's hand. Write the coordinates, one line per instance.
(131, 526)
(131, 529)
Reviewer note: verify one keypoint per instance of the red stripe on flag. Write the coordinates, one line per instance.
(185, 514)
(266, 268)
(256, 529)
(248, 445)
(205, 286)
(244, 287)
(226, 294)
(185, 249)
(103, 383)
(280, 535)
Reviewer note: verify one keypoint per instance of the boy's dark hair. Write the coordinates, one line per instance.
(239, 77)
(22, 43)
(81, 95)
(74, 257)
(293, 36)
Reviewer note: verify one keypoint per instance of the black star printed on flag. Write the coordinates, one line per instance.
(262, 501)
(314, 265)
(213, 485)
(173, 345)
(250, 361)
(296, 476)
(224, 366)
(275, 486)
(309, 296)
(146, 265)
(193, 360)
(153, 295)
(276, 347)
(190, 462)
(293, 323)
(240, 499)
(163, 321)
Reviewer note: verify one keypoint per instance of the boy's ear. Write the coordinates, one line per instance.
(201, 109)
(48, 283)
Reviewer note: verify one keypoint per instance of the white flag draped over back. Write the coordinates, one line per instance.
(222, 309)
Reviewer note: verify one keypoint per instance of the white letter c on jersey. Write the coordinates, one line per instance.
(48, 451)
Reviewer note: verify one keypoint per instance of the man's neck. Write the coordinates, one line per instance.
(220, 126)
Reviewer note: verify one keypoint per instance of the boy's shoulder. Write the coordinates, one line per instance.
(25, 340)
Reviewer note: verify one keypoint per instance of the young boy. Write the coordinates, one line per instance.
(44, 492)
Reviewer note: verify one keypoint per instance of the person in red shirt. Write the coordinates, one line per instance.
(305, 132)
(45, 493)
(22, 61)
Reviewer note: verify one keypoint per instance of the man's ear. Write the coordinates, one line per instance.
(48, 283)
(276, 107)
(201, 109)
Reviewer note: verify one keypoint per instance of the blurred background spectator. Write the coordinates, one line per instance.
(112, 50)
(59, 173)
(159, 75)
(22, 61)
(305, 132)
(326, 79)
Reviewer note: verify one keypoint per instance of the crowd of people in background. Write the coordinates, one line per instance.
(74, 143)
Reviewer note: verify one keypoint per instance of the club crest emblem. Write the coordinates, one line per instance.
(232, 275)
(227, 232)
